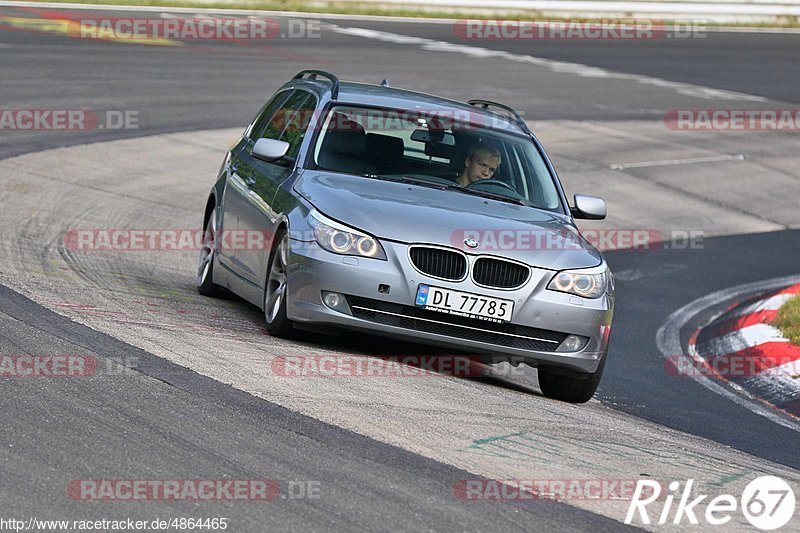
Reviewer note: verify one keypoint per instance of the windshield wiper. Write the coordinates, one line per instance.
(493, 196)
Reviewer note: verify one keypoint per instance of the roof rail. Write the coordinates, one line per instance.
(485, 104)
(312, 75)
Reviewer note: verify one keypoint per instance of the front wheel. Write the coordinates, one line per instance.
(278, 325)
(205, 265)
(569, 386)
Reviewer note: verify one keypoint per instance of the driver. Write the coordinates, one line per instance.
(481, 163)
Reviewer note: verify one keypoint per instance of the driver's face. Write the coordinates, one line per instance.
(481, 167)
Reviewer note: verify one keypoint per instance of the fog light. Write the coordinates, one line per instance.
(336, 301)
(572, 343)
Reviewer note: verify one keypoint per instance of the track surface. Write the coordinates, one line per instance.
(215, 431)
(179, 425)
(214, 85)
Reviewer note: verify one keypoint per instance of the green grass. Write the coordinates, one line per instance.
(309, 6)
(788, 320)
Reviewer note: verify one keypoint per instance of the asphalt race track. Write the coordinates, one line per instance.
(200, 401)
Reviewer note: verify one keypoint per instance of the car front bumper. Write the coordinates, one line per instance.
(541, 317)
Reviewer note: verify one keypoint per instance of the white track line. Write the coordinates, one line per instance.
(740, 339)
(792, 368)
(774, 386)
(666, 162)
(772, 303)
(561, 67)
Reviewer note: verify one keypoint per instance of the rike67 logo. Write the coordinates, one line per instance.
(767, 503)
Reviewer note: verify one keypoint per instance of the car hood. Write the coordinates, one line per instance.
(417, 214)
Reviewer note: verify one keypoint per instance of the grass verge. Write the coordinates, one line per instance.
(788, 320)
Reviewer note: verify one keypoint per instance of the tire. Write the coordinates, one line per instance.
(205, 264)
(569, 386)
(275, 292)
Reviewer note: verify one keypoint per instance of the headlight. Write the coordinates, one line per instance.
(588, 283)
(340, 239)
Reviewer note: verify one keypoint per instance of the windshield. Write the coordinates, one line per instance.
(448, 152)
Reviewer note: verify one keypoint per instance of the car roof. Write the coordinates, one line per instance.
(390, 97)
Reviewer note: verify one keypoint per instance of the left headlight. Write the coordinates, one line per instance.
(340, 239)
(587, 282)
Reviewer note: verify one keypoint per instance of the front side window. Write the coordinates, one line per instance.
(436, 148)
(290, 121)
(266, 114)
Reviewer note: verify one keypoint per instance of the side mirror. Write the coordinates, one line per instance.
(589, 207)
(270, 149)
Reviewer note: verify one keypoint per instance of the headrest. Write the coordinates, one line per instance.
(344, 137)
(385, 148)
(457, 159)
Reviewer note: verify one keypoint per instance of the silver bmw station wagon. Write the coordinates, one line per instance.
(414, 217)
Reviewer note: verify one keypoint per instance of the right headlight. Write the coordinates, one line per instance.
(585, 282)
(341, 239)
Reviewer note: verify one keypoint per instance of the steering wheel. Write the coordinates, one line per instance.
(492, 182)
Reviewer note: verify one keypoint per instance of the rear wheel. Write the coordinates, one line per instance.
(569, 386)
(205, 264)
(278, 325)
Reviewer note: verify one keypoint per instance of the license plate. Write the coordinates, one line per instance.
(464, 304)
